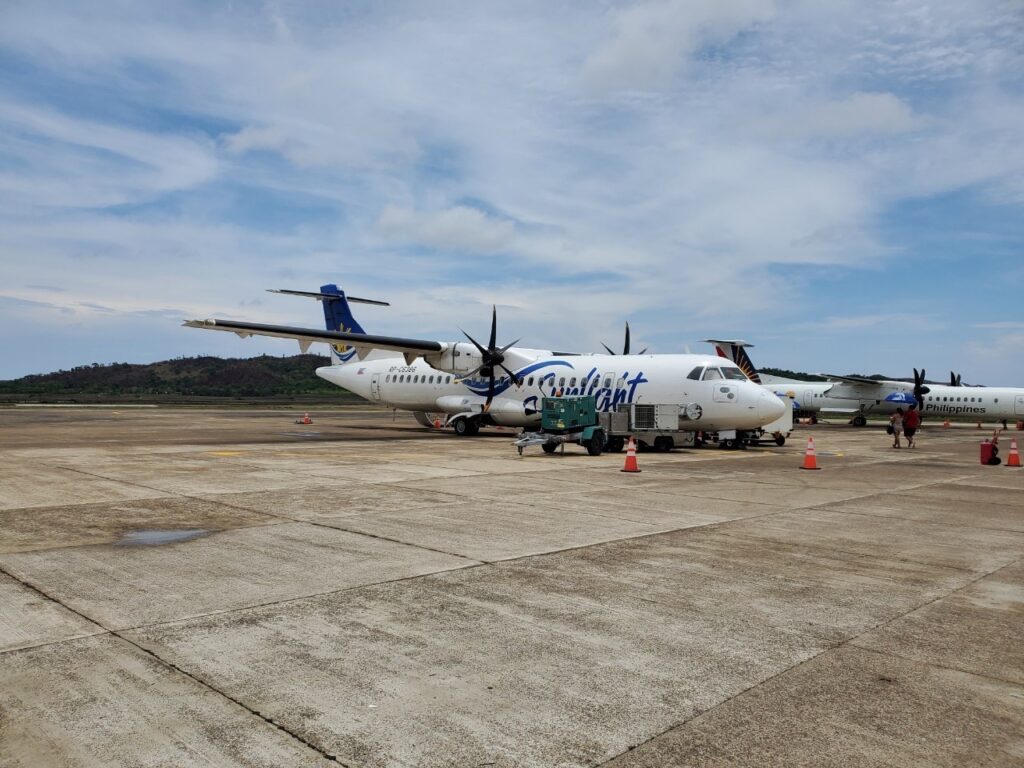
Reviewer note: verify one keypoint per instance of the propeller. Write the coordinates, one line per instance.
(920, 389)
(625, 347)
(954, 379)
(493, 357)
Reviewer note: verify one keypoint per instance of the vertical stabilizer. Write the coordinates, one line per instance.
(337, 317)
(734, 349)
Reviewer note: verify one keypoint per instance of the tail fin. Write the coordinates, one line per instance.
(337, 317)
(733, 349)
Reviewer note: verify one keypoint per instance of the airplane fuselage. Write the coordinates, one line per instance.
(991, 403)
(612, 380)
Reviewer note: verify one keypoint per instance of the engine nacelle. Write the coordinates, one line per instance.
(460, 358)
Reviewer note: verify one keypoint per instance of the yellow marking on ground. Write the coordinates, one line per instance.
(224, 453)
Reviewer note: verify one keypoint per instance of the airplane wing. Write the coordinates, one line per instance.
(861, 380)
(306, 336)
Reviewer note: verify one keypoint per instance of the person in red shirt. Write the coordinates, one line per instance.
(911, 421)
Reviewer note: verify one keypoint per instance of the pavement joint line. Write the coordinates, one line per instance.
(283, 601)
(911, 519)
(850, 641)
(825, 508)
(824, 548)
(993, 678)
(118, 634)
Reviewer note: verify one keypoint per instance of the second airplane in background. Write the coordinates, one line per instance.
(858, 396)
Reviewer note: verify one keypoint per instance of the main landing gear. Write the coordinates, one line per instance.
(465, 427)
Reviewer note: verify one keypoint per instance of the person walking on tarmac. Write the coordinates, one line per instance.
(911, 421)
(896, 427)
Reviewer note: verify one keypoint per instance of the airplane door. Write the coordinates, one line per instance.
(375, 387)
(1018, 405)
(608, 386)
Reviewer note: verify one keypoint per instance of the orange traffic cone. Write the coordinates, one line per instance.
(306, 419)
(437, 423)
(810, 461)
(631, 465)
(979, 425)
(945, 424)
(1013, 460)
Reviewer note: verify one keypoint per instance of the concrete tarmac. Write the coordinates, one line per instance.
(206, 588)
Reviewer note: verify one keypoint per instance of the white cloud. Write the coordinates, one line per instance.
(459, 229)
(860, 114)
(651, 41)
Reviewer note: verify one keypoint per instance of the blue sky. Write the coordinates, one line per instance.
(840, 183)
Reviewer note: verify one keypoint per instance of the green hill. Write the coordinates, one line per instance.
(180, 380)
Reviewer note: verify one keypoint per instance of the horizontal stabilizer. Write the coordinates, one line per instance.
(326, 296)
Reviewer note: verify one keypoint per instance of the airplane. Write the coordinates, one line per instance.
(476, 385)
(859, 396)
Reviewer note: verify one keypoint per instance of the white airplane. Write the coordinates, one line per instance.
(858, 396)
(477, 385)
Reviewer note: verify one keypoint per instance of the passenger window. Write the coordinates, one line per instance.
(561, 382)
(607, 382)
(572, 382)
(695, 373)
(711, 374)
(583, 383)
(529, 382)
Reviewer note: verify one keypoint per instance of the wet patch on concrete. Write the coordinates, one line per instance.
(155, 538)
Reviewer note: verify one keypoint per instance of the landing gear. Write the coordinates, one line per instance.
(465, 427)
(859, 420)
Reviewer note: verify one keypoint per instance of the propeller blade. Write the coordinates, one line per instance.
(494, 327)
(474, 342)
(625, 349)
(642, 351)
(515, 379)
(507, 347)
(608, 348)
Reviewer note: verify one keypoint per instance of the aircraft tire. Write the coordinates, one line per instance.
(464, 427)
(859, 421)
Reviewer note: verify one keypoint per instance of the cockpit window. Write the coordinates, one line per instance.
(712, 373)
(695, 373)
(734, 373)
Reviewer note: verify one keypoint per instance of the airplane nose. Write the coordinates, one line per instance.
(770, 407)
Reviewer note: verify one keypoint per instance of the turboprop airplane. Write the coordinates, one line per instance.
(477, 385)
(857, 396)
